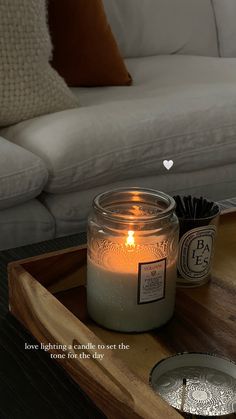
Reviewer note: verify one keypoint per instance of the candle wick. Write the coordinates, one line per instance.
(183, 396)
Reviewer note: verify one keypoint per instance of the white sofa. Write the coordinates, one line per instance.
(181, 106)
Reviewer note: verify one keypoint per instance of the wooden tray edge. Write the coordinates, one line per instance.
(105, 380)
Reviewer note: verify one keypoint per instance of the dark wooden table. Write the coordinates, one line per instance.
(32, 386)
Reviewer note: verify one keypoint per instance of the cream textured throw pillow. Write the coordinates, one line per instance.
(28, 85)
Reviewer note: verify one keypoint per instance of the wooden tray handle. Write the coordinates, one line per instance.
(107, 368)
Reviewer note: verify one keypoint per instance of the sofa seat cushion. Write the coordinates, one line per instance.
(180, 107)
(24, 224)
(71, 210)
(22, 174)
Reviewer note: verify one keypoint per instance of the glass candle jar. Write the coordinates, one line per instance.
(132, 255)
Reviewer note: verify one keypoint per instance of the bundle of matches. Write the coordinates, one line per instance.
(189, 207)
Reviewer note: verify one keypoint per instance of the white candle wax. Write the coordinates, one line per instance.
(122, 296)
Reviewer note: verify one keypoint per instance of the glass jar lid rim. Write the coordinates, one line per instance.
(164, 198)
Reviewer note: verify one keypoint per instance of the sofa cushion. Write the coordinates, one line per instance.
(150, 27)
(85, 52)
(24, 224)
(22, 174)
(180, 107)
(71, 210)
(28, 84)
(225, 11)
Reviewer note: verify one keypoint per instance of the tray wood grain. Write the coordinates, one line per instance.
(47, 295)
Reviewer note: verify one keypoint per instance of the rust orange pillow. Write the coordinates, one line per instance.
(85, 50)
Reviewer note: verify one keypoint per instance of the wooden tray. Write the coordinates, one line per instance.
(47, 295)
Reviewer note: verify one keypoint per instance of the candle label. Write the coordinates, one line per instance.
(151, 281)
(195, 252)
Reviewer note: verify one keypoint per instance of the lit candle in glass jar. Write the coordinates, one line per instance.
(131, 274)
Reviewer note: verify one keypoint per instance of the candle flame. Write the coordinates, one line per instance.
(130, 241)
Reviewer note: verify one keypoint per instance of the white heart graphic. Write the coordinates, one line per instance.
(168, 164)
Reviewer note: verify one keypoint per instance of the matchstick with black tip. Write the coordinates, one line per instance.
(183, 396)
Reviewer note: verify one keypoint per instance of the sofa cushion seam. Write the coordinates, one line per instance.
(121, 167)
(217, 29)
(25, 192)
(25, 171)
(127, 149)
